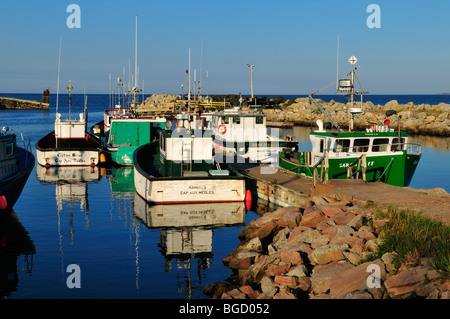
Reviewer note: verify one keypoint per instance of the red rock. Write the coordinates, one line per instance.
(321, 277)
(292, 257)
(311, 217)
(250, 292)
(287, 281)
(331, 211)
(409, 281)
(278, 270)
(343, 218)
(359, 246)
(246, 263)
(328, 253)
(284, 295)
(290, 219)
(356, 279)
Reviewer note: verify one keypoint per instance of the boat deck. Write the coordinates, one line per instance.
(285, 188)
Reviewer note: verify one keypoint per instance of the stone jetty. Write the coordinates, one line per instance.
(423, 119)
(319, 251)
(10, 103)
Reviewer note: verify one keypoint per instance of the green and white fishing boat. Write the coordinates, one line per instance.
(126, 135)
(378, 154)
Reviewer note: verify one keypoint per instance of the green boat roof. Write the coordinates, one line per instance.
(358, 134)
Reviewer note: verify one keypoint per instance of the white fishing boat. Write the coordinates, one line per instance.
(181, 169)
(70, 144)
(246, 136)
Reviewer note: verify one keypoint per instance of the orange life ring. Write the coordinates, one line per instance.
(222, 129)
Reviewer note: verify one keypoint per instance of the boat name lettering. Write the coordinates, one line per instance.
(197, 187)
(342, 165)
(194, 192)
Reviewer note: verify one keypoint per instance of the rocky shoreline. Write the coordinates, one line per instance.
(317, 251)
(422, 119)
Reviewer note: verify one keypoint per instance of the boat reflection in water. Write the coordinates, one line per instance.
(14, 243)
(186, 233)
(71, 187)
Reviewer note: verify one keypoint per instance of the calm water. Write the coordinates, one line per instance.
(123, 249)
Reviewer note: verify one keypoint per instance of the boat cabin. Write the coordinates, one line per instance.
(354, 144)
(238, 127)
(70, 129)
(8, 163)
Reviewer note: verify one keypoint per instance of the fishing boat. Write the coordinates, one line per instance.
(126, 135)
(378, 154)
(16, 164)
(181, 169)
(245, 136)
(70, 144)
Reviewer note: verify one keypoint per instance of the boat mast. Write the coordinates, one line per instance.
(57, 84)
(135, 68)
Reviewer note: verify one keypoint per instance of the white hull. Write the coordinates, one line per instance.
(185, 190)
(67, 157)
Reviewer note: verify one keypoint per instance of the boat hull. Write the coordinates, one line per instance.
(397, 169)
(73, 152)
(12, 187)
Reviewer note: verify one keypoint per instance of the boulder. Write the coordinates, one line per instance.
(321, 276)
(356, 278)
(329, 253)
(411, 281)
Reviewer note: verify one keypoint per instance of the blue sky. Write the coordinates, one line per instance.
(293, 44)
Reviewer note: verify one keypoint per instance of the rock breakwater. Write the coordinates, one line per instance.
(423, 119)
(319, 251)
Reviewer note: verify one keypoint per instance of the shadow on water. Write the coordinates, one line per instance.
(15, 243)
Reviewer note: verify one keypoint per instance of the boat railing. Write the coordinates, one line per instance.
(361, 164)
(323, 162)
(413, 148)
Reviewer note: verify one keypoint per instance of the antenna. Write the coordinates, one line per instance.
(189, 85)
(135, 59)
(57, 84)
(337, 65)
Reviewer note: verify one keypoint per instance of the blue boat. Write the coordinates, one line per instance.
(16, 164)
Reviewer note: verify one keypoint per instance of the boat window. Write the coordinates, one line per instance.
(259, 120)
(395, 146)
(10, 149)
(361, 145)
(236, 120)
(225, 120)
(380, 145)
(342, 145)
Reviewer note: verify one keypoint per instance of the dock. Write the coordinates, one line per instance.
(285, 188)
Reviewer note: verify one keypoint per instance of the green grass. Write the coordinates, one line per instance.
(413, 237)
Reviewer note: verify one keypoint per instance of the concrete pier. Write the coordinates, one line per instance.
(285, 188)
